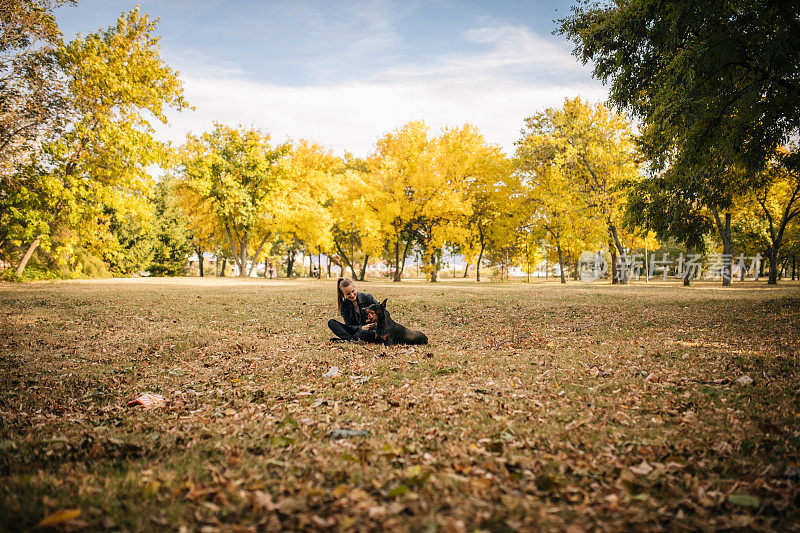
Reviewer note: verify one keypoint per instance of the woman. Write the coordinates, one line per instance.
(351, 304)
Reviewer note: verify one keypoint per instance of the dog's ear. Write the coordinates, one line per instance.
(383, 303)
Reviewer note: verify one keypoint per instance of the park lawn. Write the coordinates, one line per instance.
(534, 407)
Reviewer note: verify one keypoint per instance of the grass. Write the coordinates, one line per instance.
(534, 407)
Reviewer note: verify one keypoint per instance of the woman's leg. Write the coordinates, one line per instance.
(343, 331)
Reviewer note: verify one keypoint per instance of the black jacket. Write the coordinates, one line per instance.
(349, 314)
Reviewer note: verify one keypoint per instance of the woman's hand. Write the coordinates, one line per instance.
(367, 327)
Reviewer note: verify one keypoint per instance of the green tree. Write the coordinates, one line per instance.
(131, 249)
(699, 74)
(171, 243)
(714, 85)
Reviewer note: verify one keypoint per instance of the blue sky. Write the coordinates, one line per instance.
(344, 73)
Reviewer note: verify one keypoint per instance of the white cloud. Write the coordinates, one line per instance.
(485, 89)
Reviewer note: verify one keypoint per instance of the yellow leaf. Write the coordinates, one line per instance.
(59, 517)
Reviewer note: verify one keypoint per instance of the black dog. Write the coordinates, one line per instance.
(390, 332)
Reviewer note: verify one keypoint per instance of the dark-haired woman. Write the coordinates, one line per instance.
(351, 304)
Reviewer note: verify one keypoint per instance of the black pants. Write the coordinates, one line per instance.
(348, 332)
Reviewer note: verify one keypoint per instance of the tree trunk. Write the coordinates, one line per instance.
(289, 263)
(239, 254)
(346, 259)
(22, 264)
(199, 253)
(622, 276)
(794, 266)
(687, 280)
(725, 235)
(560, 261)
(614, 278)
(774, 268)
(257, 254)
(480, 258)
(224, 264)
(466, 270)
(243, 257)
(363, 269)
(434, 268)
(400, 260)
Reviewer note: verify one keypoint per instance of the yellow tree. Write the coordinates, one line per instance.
(494, 195)
(593, 146)
(117, 85)
(200, 219)
(459, 157)
(395, 171)
(778, 197)
(552, 201)
(304, 213)
(356, 215)
(241, 178)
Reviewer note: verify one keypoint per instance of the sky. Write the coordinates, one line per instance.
(345, 73)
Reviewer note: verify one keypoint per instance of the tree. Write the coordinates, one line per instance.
(493, 194)
(671, 209)
(700, 74)
(593, 147)
(460, 157)
(356, 227)
(778, 196)
(401, 162)
(32, 99)
(133, 230)
(201, 223)
(240, 177)
(711, 82)
(303, 215)
(171, 245)
(117, 83)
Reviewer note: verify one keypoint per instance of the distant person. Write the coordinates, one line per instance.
(351, 304)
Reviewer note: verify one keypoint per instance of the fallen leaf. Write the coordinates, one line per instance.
(642, 468)
(59, 517)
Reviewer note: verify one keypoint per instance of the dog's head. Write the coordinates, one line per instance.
(376, 313)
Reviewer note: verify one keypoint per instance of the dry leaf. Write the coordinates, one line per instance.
(59, 517)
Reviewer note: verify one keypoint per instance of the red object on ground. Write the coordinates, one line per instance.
(147, 400)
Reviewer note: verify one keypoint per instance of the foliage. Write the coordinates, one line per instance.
(117, 84)
(590, 151)
(236, 175)
(32, 95)
(171, 246)
(700, 74)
